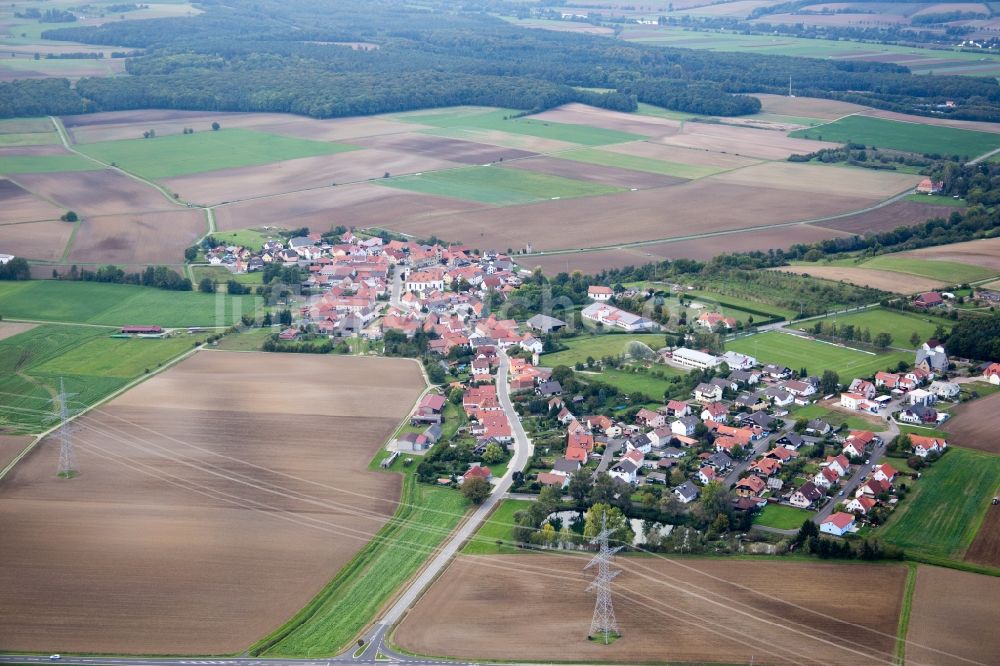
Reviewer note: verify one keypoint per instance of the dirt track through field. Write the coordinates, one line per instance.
(955, 612)
(11, 445)
(146, 552)
(537, 608)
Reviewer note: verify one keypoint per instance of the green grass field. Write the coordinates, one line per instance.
(901, 325)
(252, 238)
(782, 517)
(837, 418)
(185, 154)
(598, 346)
(89, 363)
(606, 158)
(946, 271)
(499, 120)
(937, 200)
(29, 139)
(45, 164)
(912, 137)
(943, 513)
(26, 126)
(737, 302)
(635, 382)
(498, 527)
(797, 352)
(350, 601)
(498, 186)
(119, 304)
(221, 275)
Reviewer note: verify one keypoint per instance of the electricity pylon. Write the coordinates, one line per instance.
(67, 459)
(603, 621)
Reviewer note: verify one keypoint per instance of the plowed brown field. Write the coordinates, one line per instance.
(103, 192)
(594, 173)
(36, 240)
(581, 114)
(954, 618)
(213, 502)
(11, 445)
(974, 424)
(897, 214)
(137, 238)
(984, 252)
(535, 607)
(19, 205)
(443, 148)
(899, 283)
(985, 548)
(757, 143)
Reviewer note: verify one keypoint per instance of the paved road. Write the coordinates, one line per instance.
(397, 286)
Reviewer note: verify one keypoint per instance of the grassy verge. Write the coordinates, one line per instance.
(354, 597)
(782, 517)
(904, 614)
(497, 528)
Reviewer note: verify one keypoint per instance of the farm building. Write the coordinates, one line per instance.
(599, 293)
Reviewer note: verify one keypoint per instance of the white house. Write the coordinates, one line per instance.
(737, 361)
(992, 373)
(837, 524)
(624, 470)
(693, 358)
(597, 292)
(609, 315)
(945, 390)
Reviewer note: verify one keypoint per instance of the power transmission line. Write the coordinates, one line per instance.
(603, 621)
(67, 457)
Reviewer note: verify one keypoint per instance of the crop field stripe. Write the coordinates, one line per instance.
(497, 186)
(912, 137)
(181, 155)
(622, 161)
(904, 614)
(946, 271)
(45, 164)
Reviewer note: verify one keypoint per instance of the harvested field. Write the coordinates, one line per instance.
(929, 120)
(581, 114)
(736, 9)
(694, 157)
(442, 148)
(747, 142)
(973, 424)
(11, 445)
(116, 125)
(899, 283)
(251, 182)
(172, 536)
(630, 216)
(541, 600)
(361, 205)
(953, 618)
(526, 142)
(816, 178)
(897, 214)
(588, 262)
(985, 548)
(984, 252)
(19, 205)
(53, 149)
(137, 237)
(743, 241)
(36, 240)
(102, 192)
(605, 175)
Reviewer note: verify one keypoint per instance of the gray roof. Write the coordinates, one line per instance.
(688, 490)
(565, 465)
(550, 388)
(545, 323)
(719, 460)
(935, 360)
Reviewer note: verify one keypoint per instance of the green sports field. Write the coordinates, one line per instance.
(88, 362)
(606, 158)
(45, 164)
(797, 352)
(901, 325)
(946, 271)
(943, 513)
(599, 346)
(185, 154)
(500, 120)
(782, 517)
(498, 186)
(911, 137)
(118, 304)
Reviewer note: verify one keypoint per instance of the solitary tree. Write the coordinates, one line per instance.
(915, 339)
(476, 489)
(216, 127)
(69, 216)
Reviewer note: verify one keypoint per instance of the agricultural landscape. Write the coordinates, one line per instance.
(581, 332)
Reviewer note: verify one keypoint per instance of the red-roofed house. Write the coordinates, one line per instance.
(924, 446)
(599, 293)
(992, 373)
(885, 472)
(477, 471)
(715, 411)
(929, 299)
(860, 505)
(750, 486)
(837, 524)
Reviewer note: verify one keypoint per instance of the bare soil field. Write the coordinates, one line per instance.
(36, 240)
(361, 205)
(137, 237)
(817, 178)
(581, 114)
(984, 252)
(34, 150)
(695, 207)
(985, 548)
(737, 9)
(714, 611)
(19, 205)
(696, 157)
(104, 192)
(593, 172)
(899, 283)
(837, 20)
(442, 148)
(533, 144)
(589, 262)
(946, 122)
(973, 424)
(251, 182)
(9, 329)
(212, 503)
(888, 217)
(115, 125)
(763, 144)
(954, 618)
(740, 241)
(11, 445)
(807, 107)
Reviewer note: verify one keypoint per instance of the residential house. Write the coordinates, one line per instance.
(873, 488)
(678, 408)
(863, 387)
(599, 293)
(992, 373)
(889, 380)
(917, 414)
(927, 300)
(839, 463)
(932, 357)
(737, 361)
(687, 492)
(826, 477)
(921, 397)
(858, 443)
(750, 486)
(715, 411)
(706, 475)
(712, 321)
(477, 471)
(779, 397)
(884, 472)
(776, 371)
(707, 393)
(923, 446)
(837, 524)
(945, 390)
(766, 467)
(549, 389)
(807, 495)
(553, 479)
(650, 419)
(720, 461)
(624, 470)
(818, 426)
(685, 425)
(860, 505)
(564, 466)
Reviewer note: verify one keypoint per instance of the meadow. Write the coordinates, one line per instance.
(501, 121)
(599, 346)
(184, 154)
(837, 418)
(498, 186)
(45, 164)
(946, 506)
(498, 527)
(911, 137)
(901, 325)
(798, 352)
(119, 304)
(628, 382)
(782, 517)
(947, 271)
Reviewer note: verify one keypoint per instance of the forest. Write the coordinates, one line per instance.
(290, 56)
